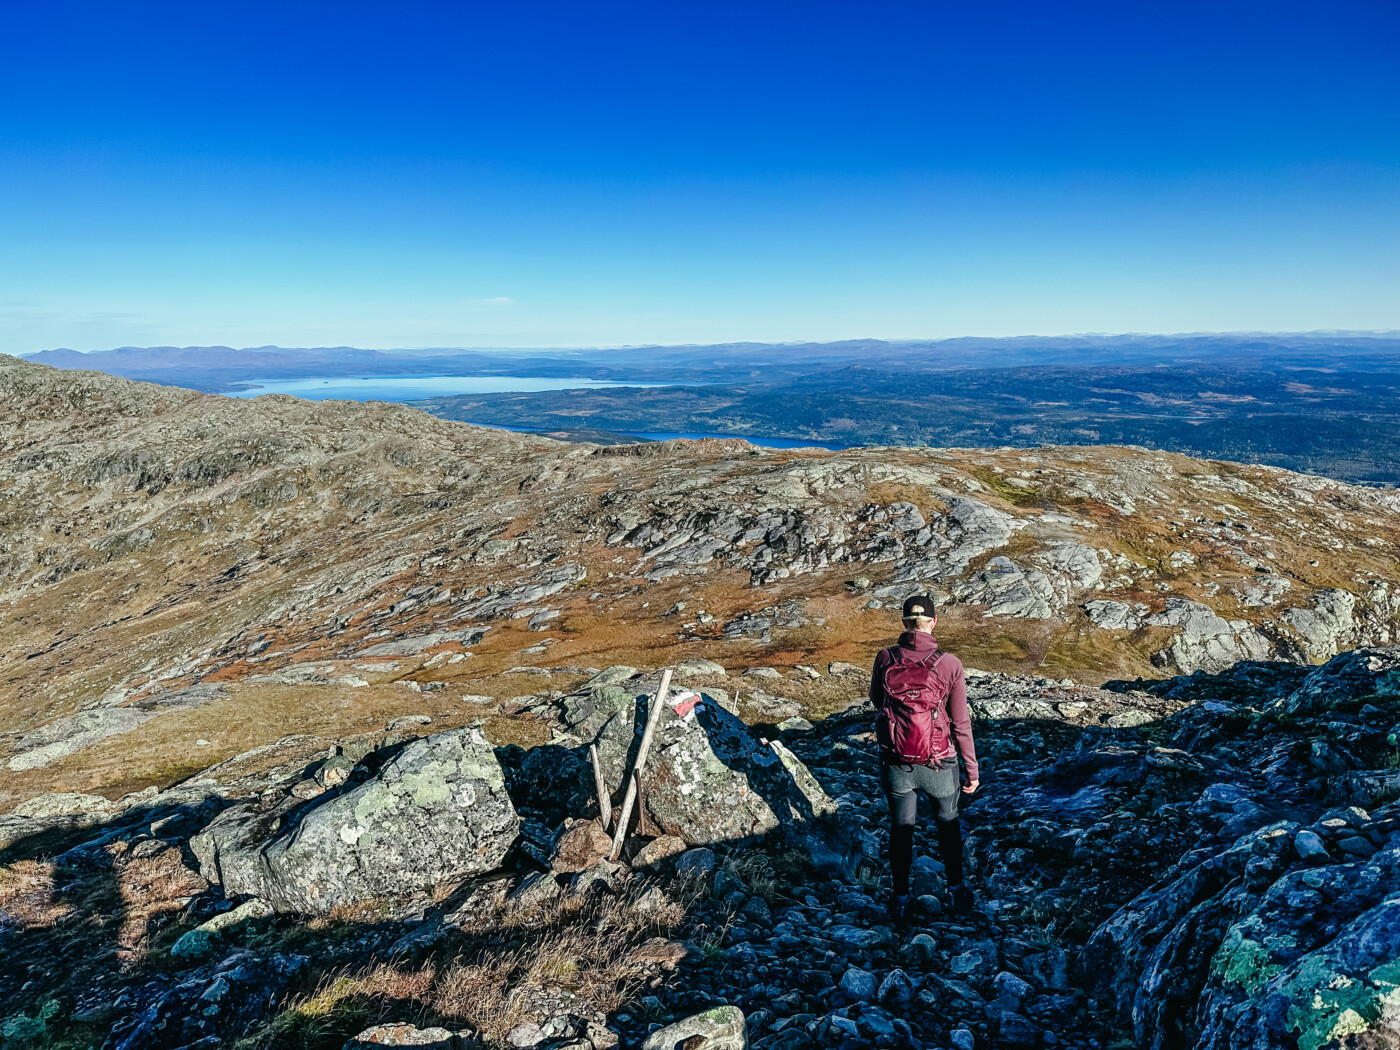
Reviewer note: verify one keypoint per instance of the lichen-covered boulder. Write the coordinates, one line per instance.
(1259, 947)
(438, 810)
(1344, 678)
(719, 1028)
(708, 778)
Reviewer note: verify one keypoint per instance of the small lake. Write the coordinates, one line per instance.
(762, 442)
(416, 388)
(666, 435)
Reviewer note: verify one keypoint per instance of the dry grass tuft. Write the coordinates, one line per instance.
(27, 895)
(487, 975)
(754, 869)
(151, 890)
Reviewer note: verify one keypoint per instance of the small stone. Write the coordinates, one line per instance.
(1308, 845)
(1009, 984)
(929, 904)
(922, 948)
(525, 1035)
(535, 890)
(698, 668)
(795, 724)
(837, 667)
(896, 991)
(1173, 760)
(696, 863)
(1356, 846)
(205, 938)
(658, 850)
(962, 1039)
(1048, 969)
(653, 898)
(858, 985)
(307, 789)
(860, 936)
(602, 874)
(578, 844)
(762, 672)
(194, 944)
(335, 771)
(969, 963)
(756, 910)
(1017, 1031)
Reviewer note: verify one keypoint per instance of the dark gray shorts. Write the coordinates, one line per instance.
(941, 783)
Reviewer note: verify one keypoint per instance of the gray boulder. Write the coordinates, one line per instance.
(402, 1034)
(1328, 626)
(969, 529)
(708, 779)
(1072, 566)
(1206, 641)
(1262, 591)
(719, 1028)
(1006, 589)
(1115, 616)
(437, 810)
(1361, 672)
(1223, 945)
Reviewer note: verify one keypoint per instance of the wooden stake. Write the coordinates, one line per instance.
(604, 800)
(653, 716)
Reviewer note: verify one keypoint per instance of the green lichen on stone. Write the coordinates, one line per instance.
(722, 1015)
(1329, 1005)
(612, 698)
(428, 787)
(481, 767)
(1243, 960)
(376, 799)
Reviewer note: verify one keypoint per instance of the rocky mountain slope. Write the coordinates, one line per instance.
(301, 703)
(1212, 863)
(185, 577)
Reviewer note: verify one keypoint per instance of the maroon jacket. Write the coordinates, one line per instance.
(949, 671)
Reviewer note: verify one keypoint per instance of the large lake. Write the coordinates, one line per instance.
(657, 435)
(415, 388)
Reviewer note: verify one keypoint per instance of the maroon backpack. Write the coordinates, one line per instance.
(912, 726)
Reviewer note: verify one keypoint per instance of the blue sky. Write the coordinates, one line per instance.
(520, 174)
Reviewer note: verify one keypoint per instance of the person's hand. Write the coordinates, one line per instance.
(970, 786)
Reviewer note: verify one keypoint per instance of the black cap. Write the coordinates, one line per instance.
(919, 605)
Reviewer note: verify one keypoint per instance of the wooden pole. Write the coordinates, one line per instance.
(653, 717)
(604, 799)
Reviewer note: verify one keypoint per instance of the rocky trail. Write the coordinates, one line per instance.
(1210, 861)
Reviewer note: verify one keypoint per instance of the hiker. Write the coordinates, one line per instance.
(925, 735)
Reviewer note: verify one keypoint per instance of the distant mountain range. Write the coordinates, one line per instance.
(215, 369)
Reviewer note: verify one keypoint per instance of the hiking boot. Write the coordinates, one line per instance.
(963, 899)
(899, 911)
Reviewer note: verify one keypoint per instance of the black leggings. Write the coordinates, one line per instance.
(903, 785)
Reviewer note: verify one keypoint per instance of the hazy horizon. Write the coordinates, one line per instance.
(1375, 333)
